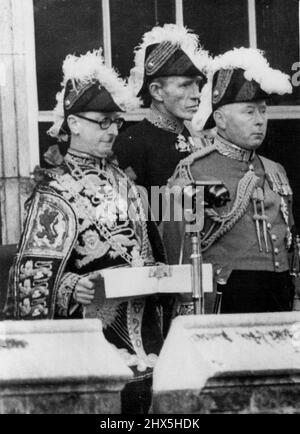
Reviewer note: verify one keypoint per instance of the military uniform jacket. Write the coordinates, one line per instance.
(253, 230)
(78, 222)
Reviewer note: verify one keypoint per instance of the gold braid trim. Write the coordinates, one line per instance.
(159, 56)
(227, 221)
(183, 169)
(241, 203)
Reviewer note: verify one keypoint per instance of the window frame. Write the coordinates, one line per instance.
(275, 112)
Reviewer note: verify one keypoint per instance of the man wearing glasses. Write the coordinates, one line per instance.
(77, 224)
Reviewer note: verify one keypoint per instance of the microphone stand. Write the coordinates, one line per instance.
(194, 223)
(197, 274)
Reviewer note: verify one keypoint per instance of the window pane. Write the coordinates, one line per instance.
(278, 36)
(62, 27)
(220, 24)
(130, 19)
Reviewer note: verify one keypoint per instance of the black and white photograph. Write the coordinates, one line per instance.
(150, 210)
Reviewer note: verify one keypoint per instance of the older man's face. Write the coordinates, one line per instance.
(181, 96)
(94, 140)
(245, 124)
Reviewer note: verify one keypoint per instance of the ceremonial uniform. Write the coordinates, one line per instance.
(149, 151)
(75, 225)
(248, 240)
(85, 216)
(253, 231)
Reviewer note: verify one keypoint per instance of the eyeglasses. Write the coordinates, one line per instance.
(105, 123)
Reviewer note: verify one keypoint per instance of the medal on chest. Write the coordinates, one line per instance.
(182, 144)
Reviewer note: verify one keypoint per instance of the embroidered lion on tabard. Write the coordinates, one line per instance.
(48, 220)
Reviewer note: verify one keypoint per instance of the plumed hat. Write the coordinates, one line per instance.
(89, 85)
(239, 75)
(167, 51)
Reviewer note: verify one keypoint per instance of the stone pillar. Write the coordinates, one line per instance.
(18, 113)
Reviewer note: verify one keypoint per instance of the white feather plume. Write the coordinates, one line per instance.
(88, 68)
(205, 106)
(188, 42)
(58, 118)
(256, 68)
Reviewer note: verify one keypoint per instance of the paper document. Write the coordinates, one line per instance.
(137, 281)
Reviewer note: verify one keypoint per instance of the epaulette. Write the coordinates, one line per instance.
(183, 168)
(42, 175)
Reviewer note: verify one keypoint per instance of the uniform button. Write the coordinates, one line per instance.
(274, 237)
(276, 251)
(269, 226)
(277, 264)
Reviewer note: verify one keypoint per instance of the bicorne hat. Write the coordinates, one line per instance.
(89, 85)
(240, 75)
(167, 51)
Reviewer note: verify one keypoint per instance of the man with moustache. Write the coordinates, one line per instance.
(78, 223)
(168, 77)
(248, 240)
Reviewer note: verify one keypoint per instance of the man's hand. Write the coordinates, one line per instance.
(85, 288)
